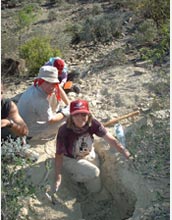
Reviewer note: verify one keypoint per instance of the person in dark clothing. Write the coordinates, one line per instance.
(14, 128)
(11, 121)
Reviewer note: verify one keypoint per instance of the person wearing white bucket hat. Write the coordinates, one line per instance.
(49, 74)
(44, 106)
(63, 76)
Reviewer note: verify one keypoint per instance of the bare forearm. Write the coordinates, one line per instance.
(17, 125)
(19, 130)
(58, 117)
(122, 149)
(16, 128)
(63, 82)
(58, 164)
(64, 96)
(58, 167)
(113, 142)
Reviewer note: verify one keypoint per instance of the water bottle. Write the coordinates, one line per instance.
(119, 133)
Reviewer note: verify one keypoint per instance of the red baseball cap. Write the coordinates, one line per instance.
(59, 64)
(79, 106)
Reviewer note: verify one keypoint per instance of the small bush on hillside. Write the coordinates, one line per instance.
(26, 16)
(146, 33)
(160, 49)
(14, 183)
(100, 28)
(52, 16)
(36, 52)
(157, 10)
(158, 34)
(75, 31)
(97, 9)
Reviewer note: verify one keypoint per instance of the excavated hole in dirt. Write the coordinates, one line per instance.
(115, 201)
(124, 192)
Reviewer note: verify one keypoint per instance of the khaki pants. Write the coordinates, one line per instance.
(85, 171)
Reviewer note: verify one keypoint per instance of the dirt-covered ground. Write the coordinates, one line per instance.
(137, 190)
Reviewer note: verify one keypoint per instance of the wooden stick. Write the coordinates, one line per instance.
(114, 120)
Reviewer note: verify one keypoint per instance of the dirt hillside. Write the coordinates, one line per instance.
(128, 189)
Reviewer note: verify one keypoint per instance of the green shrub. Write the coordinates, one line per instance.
(75, 31)
(100, 28)
(36, 52)
(161, 48)
(26, 16)
(147, 32)
(14, 183)
(157, 10)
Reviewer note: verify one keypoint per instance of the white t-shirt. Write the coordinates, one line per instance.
(36, 108)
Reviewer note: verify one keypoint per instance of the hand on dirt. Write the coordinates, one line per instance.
(131, 158)
(57, 183)
(56, 187)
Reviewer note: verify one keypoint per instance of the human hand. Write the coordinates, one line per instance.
(57, 183)
(132, 162)
(131, 157)
(5, 123)
(65, 111)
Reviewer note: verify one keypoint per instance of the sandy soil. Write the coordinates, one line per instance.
(125, 192)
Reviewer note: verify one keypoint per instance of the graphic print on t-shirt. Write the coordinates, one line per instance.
(82, 146)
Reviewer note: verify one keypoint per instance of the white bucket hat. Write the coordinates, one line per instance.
(49, 74)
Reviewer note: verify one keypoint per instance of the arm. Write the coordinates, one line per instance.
(64, 96)
(56, 118)
(63, 78)
(112, 141)
(18, 127)
(58, 167)
(59, 115)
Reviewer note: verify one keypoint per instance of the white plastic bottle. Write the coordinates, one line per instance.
(119, 133)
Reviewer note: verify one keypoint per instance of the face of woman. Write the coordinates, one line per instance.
(80, 119)
(48, 87)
